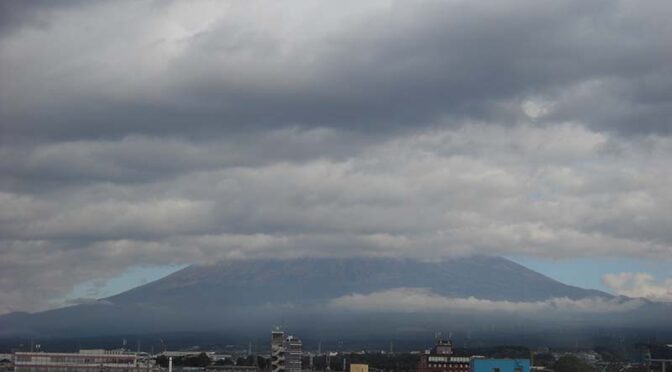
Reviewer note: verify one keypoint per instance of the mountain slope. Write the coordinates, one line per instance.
(309, 280)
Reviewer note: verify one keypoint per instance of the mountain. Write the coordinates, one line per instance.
(358, 297)
(318, 279)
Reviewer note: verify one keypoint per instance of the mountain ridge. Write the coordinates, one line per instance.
(484, 277)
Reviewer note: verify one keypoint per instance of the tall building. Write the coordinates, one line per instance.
(440, 359)
(286, 352)
(278, 351)
(293, 353)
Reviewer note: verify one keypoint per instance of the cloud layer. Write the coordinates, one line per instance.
(414, 300)
(165, 133)
(639, 285)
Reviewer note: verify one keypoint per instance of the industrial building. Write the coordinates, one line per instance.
(440, 359)
(499, 365)
(85, 361)
(359, 367)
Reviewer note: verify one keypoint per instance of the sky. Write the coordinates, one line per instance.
(138, 137)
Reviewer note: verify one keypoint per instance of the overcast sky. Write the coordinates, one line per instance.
(160, 134)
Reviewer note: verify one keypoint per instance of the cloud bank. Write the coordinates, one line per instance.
(176, 133)
(639, 285)
(414, 300)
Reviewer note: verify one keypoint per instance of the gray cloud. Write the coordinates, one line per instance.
(639, 285)
(169, 133)
(380, 67)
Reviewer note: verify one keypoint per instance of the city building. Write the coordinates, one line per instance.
(440, 359)
(293, 353)
(359, 368)
(182, 354)
(286, 352)
(277, 351)
(659, 356)
(84, 361)
(231, 368)
(499, 365)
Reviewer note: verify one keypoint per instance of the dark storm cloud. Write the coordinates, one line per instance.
(141, 133)
(377, 71)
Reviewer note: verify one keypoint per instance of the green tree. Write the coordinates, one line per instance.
(570, 363)
(200, 360)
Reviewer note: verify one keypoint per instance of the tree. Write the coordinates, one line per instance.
(162, 361)
(263, 363)
(245, 361)
(200, 360)
(224, 362)
(570, 363)
(544, 359)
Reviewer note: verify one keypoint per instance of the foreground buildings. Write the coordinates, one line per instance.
(359, 367)
(85, 361)
(440, 359)
(499, 365)
(293, 353)
(277, 351)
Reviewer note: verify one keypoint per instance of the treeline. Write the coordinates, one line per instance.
(387, 362)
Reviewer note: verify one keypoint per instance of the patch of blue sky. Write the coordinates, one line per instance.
(131, 278)
(588, 272)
